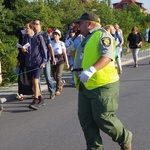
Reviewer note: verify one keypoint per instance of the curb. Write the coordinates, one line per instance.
(8, 92)
(130, 61)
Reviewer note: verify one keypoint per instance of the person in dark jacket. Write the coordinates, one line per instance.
(134, 43)
(35, 58)
(50, 57)
(24, 84)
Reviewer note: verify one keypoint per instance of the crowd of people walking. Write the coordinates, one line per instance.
(43, 51)
(95, 76)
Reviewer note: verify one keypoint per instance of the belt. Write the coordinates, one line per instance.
(77, 69)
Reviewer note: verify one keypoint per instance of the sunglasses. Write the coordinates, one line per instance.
(36, 24)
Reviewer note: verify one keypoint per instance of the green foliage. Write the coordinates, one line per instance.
(105, 13)
(57, 14)
(8, 55)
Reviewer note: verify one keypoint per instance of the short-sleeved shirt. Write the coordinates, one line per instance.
(104, 50)
(134, 39)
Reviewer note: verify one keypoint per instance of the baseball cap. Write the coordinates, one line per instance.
(57, 31)
(49, 30)
(88, 16)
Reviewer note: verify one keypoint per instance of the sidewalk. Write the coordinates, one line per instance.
(10, 92)
(126, 59)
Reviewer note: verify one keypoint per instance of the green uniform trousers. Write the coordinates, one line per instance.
(96, 110)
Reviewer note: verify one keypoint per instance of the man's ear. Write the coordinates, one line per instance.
(89, 24)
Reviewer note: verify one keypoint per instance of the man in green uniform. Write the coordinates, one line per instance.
(98, 82)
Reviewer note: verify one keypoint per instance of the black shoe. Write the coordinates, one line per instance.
(52, 96)
(34, 104)
(136, 65)
(41, 102)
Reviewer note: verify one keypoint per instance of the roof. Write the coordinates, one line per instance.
(128, 2)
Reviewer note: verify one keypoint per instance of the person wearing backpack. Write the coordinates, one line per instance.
(50, 57)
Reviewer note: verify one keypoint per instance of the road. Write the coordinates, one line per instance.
(56, 126)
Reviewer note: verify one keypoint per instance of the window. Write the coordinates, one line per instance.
(124, 5)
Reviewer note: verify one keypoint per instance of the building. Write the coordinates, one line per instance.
(83, 1)
(126, 3)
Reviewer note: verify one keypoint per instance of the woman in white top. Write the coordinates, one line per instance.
(61, 58)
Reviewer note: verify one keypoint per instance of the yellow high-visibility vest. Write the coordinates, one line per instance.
(102, 77)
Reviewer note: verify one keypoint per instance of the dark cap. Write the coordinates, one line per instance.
(88, 16)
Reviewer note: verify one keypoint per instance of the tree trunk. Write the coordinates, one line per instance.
(109, 3)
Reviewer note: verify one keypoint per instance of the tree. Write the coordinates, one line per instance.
(7, 4)
(109, 3)
(58, 14)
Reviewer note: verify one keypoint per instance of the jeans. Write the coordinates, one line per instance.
(71, 61)
(49, 79)
(118, 60)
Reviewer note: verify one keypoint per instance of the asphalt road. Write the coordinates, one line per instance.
(56, 126)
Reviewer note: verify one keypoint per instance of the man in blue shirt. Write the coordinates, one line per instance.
(50, 53)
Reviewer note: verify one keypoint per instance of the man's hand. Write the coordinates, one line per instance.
(24, 49)
(1, 79)
(87, 74)
(42, 66)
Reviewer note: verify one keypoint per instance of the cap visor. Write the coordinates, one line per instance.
(77, 21)
(57, 33)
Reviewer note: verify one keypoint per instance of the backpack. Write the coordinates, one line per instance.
(46, 38)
